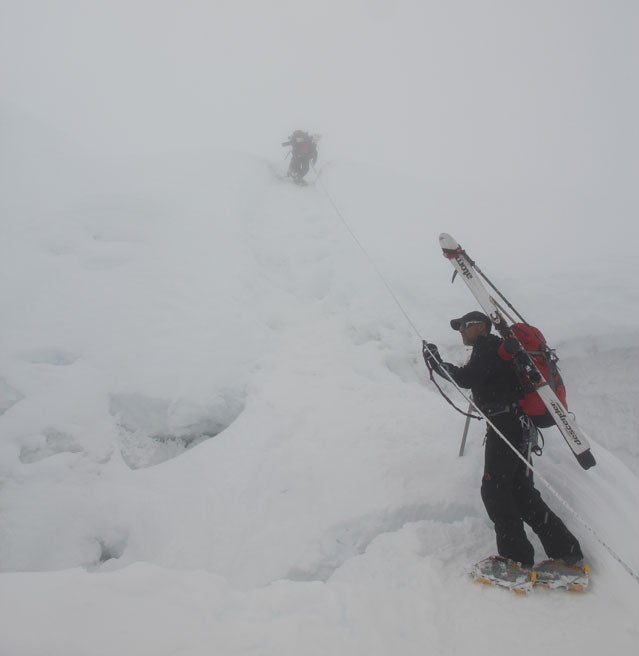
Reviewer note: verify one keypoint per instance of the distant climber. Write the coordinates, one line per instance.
(303, 152)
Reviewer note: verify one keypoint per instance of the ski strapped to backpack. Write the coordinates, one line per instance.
(532, 366)
(545, 360)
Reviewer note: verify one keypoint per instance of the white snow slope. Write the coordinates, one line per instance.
(218, 435)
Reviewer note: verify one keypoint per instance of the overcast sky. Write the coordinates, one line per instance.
(495, 94)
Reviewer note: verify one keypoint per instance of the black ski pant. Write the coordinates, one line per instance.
(511, 499)
(299, 166)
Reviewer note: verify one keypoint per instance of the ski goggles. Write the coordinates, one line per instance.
(465, 324)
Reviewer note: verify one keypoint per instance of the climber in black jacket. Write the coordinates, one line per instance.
(507, 488)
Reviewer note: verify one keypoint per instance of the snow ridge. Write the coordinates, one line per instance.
(215, 420)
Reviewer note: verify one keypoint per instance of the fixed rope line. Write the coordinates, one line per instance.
(370, 259)
(566, 505)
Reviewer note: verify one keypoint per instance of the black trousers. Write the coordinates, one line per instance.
(511, 499)
(299, 166)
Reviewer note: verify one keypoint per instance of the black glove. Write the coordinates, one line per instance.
(512, 345)
(431, 355)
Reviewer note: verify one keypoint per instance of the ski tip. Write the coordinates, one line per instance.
(586, 459)
(446, 241)
(449, 246)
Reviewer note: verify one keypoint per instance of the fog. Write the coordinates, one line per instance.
(216, 431)
(492, 94)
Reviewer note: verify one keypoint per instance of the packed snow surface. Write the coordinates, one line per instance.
(217, 434)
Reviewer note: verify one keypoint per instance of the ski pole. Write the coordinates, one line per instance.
(466, 426)
(485, 277)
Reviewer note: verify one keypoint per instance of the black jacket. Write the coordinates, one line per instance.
(303, 147)
(491, 379)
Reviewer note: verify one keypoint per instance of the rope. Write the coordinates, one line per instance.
(528, 464)
(369, 258)
(469, 414)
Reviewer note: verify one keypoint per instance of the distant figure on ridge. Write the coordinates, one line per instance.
(303, 152)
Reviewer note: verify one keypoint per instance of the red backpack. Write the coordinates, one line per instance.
(545, 360)
(302, 148)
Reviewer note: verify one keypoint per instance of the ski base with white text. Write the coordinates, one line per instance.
(470, 274)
